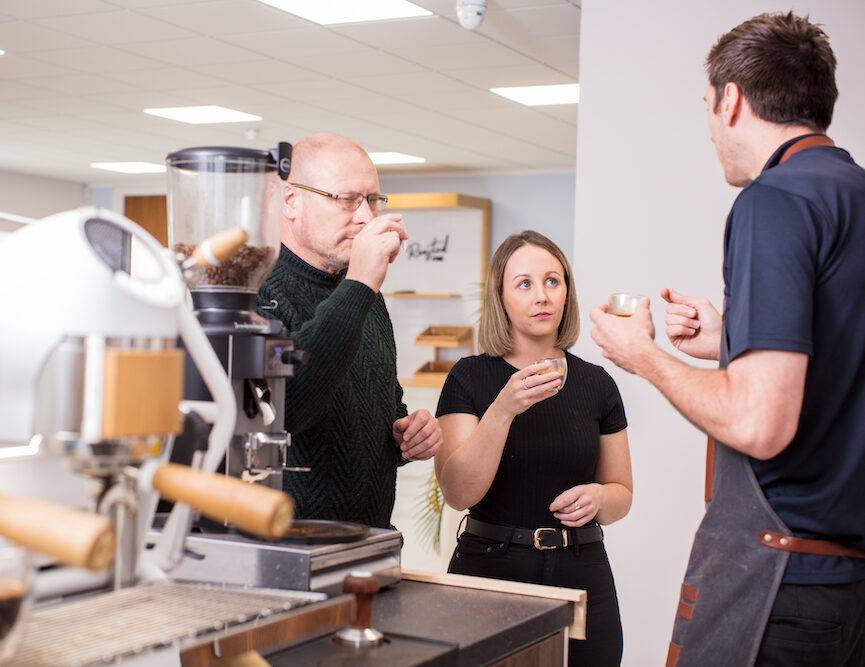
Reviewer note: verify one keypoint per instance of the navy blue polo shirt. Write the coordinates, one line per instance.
(794, 274)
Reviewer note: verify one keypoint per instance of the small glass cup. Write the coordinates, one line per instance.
(403, 242)
(15, 596)
(558, 365)
(624, 304)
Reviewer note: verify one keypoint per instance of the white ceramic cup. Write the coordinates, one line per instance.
(623, 304)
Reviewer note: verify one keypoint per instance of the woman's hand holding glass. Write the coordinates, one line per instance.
(528, 386)
(557, 366)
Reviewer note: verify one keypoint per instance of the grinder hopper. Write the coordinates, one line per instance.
(215, 189)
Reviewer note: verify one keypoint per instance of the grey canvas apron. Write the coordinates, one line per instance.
(736, 566)
(733, 576)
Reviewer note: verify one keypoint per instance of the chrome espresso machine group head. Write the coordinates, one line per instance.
(235, 195)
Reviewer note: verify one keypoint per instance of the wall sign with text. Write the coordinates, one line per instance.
(443, 253)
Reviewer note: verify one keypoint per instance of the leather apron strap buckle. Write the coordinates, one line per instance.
(803, 545)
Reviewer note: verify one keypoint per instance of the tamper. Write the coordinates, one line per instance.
(359, 633)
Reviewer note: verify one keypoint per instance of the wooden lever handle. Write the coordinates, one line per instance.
(219, 247)
(251, 507)
(72, 536)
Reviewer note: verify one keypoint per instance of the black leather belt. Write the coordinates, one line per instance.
(539, 538)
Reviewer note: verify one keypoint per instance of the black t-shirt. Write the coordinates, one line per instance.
(551, 447)
(794, 280)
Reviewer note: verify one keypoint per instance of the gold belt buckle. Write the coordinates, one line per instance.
(537, 540)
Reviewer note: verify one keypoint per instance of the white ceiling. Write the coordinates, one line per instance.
(77, 74)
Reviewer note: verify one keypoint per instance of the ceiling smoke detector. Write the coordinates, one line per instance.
(471, 13)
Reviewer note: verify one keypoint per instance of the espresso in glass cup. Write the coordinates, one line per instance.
(15, 595)
(559, 366)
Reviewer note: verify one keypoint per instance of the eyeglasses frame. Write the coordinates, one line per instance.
(380, 199)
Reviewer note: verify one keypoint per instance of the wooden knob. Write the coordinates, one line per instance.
(69, 535)
(254, 508)
(219, 247)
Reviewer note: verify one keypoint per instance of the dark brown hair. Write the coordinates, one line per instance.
(494, 331)
(782, 64)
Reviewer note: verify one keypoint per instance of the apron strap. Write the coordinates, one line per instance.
(807, 142)
(805, 546)
(710, 468)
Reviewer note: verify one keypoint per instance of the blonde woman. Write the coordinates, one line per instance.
(541, 460)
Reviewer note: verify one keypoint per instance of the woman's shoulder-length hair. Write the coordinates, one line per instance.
(494, 331)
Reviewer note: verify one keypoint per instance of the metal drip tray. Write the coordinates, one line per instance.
(242, 561)
(169, 616)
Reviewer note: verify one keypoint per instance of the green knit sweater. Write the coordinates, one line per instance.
(341, 405)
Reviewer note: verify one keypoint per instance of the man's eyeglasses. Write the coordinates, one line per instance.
(350, 201)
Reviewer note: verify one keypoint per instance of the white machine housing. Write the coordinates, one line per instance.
(59, 280)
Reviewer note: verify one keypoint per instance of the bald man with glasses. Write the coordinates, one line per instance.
(343, 408)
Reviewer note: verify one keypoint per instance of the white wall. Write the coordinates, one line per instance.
(36, 196)
(650, 210)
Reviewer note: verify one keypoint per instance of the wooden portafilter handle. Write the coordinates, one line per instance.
(253, 508)
(69, 535)
(364, 585)
(216, 249)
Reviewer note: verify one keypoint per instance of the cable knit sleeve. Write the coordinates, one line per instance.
(330, 337)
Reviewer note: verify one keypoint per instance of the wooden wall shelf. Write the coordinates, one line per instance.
(433, 373)
(447, 337)
(444, 266)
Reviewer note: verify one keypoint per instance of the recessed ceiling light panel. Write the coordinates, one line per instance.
(535, 96)
(390, 157)
(204, 115)
(328, 12)
(130, 167)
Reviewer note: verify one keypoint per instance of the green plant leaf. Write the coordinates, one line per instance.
(429, 517)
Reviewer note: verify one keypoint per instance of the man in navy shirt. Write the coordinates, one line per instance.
(777, 569)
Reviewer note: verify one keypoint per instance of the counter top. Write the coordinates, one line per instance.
(434, 624)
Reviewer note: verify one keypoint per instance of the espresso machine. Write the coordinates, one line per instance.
(96, 381)
(91, 375)
(227, 197)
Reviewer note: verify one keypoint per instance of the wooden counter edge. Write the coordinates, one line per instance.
(577, 628)
(261, 634)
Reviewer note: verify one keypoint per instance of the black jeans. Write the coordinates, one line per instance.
(587, 569)
(816, 626)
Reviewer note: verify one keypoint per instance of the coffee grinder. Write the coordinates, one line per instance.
(235, 195)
